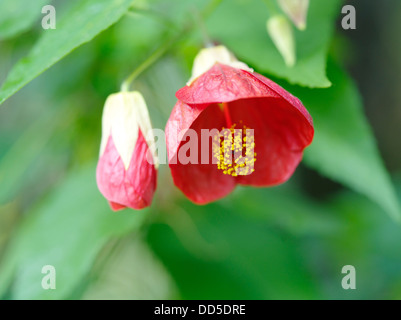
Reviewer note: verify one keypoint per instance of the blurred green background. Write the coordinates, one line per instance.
(288, 242)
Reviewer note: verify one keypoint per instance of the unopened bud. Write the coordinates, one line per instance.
(208, 57)
(124, 114)
(280, 30)
(125, 176)
(296, 10)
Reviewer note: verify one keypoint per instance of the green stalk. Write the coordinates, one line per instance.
(156, 55)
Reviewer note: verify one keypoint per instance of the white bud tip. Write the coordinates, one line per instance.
(296, 10)
(208, 57)
(281, 33)
(123, 115)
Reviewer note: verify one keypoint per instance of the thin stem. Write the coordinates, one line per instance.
(133, 11)
(186, 230)
(145, 65)
(205, 35)
(211, 7)
(156, 55)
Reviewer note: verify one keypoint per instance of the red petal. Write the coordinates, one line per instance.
(282, 127)
(223, 83)
(281, 134)
(292, 100)
(116, 206)
(181, 119)
(133, 188)
(201, 183)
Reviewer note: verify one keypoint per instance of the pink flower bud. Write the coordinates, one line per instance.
(126, 172)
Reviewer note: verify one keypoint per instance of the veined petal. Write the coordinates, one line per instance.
(281, 133)
(208, 57)
(133, 188)
(181, 119)
(223, 83)
(284, 94)
(201, 183)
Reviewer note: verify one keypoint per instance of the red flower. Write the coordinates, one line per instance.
(225, 93)
(126, 174)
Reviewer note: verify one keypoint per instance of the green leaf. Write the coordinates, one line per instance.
(78, 25)
(132, 272)
(286, 208)
(218, 252)
(16, 162)
(241, 25)
(67, 232)
(344, 146)
(17, 16)
(369, 241)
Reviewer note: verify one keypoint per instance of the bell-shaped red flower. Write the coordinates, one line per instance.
(126, 173)
(226, 95)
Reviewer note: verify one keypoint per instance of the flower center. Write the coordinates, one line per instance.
(234, 150)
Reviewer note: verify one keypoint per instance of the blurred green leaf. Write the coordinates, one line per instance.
(17, 16)
(286, 208)
(15, 163)
(67, 232)
(238, 258)
(78, 25)
(251, 248)
(131, 272)
(344, 147)
(8, 221)
(370, 242)
(241, 25)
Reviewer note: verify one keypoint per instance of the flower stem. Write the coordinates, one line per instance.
(211, 7)
(205, 35)
(156, 55)
(145, 65)
(134, 11)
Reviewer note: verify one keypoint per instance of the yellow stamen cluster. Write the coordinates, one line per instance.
(228, 150)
